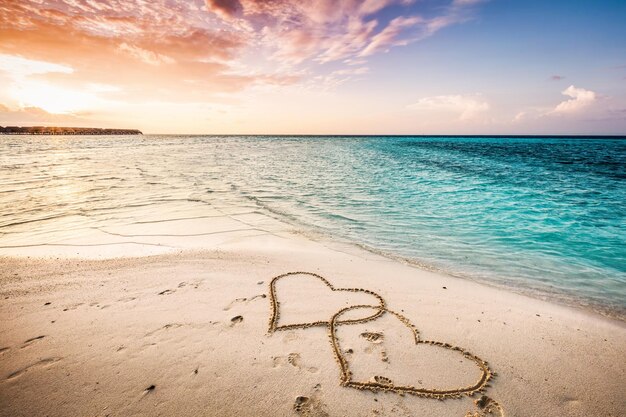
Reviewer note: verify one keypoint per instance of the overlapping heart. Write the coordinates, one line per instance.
(486, 405)
(275, 304)
(346, 375)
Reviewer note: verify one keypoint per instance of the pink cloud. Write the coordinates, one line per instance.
(35, 115)
(390, 36)
(332, 30)
(580, 99)
(193, 48)
(225, 8)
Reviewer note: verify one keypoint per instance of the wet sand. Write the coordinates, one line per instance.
(188, 331)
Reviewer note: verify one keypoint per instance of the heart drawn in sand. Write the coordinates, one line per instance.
(425, 360)
(379, 304)
(384, 383)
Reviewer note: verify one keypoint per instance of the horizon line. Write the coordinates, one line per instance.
(348, 135)
(620, 136)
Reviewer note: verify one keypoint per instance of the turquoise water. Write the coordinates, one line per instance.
(543, 215)
(547, 215)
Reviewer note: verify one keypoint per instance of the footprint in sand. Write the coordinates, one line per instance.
(373, 337)
(290, 337)
(167, 292)
(243, 300)
(97, 304)
(381, 380)
(73, 306)
(165, 327)
(42, 363)
(487, 407)
(235, 301)
(293, 359)
(310, 406)
(195, 285)
(301, 404)
(236, 320)
(31, 341)
(376, 339)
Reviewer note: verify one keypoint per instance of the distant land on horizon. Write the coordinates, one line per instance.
(55, 130)
(63, 130)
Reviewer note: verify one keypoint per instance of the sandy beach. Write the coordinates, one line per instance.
(312, 208)
(188, 328)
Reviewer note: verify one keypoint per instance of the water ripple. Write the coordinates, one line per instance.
(544, 215)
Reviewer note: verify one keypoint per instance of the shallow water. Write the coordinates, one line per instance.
(540, 214)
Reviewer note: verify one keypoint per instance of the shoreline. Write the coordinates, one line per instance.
(565, 266)
(284, 222)
(193, 325)
(559, 298)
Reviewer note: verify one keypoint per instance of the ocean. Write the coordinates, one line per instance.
(544, 216)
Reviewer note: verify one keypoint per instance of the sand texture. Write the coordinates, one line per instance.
(224, 332)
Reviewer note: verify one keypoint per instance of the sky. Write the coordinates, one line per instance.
(316, 66)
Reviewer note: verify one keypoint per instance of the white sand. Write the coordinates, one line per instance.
(115, 327)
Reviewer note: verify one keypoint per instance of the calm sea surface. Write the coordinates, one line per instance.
(542, 215)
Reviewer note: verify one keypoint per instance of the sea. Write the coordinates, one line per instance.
(544, 216)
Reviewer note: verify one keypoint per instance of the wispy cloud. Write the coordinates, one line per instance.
(200, 51)
(18, 67)
(144, 55)
(465, 107)
(391, 35)
(283, 36)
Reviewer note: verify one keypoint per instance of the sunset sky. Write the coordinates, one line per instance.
(316, 67)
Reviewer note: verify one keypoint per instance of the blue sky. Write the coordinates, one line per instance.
(520, 55)
(323, 66)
